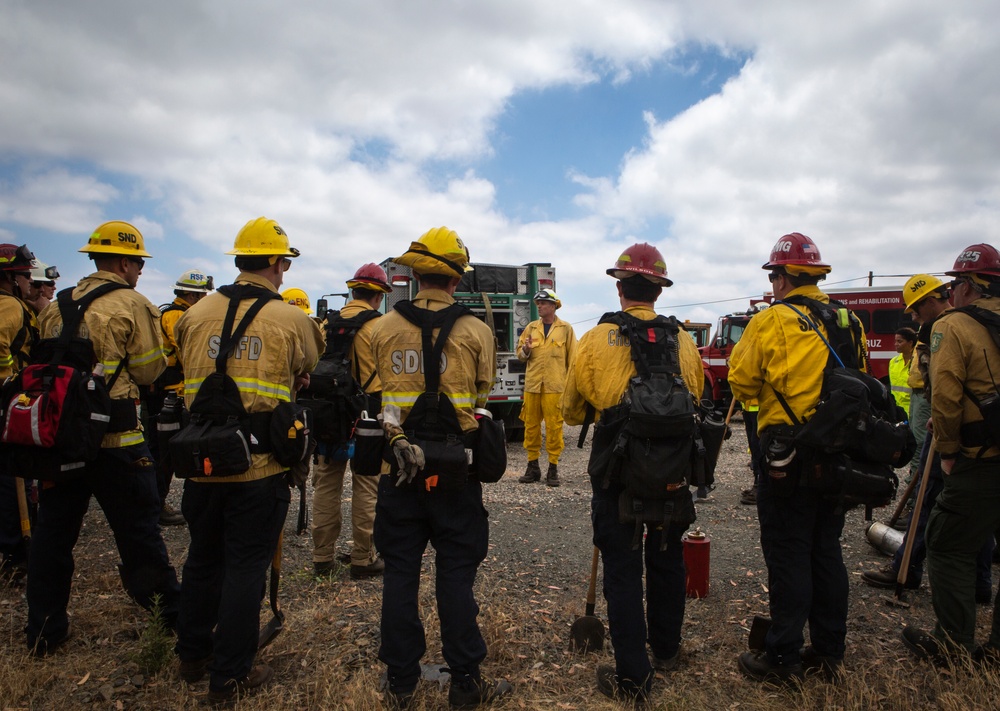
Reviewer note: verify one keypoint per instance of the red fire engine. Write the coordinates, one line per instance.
(880, 309)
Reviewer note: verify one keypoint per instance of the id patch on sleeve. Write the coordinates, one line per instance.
(936, 339)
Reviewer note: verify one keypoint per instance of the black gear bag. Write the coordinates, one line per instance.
(221, 437)
(650, 443)
(858, 433)
(335, 395)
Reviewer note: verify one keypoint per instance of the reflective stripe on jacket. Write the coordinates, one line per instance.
(281, 343)
(468, 364)
(778, 351)
(121, 324)
(603, 366)
(550, 356)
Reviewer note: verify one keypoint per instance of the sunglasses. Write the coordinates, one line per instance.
(774, 276)
(138, 261)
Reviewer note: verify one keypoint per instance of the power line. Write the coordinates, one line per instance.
(746, 299)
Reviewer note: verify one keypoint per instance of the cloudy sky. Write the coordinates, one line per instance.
(559, 131)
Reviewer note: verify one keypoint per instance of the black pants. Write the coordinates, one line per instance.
(456, 524)
(234, 532)
(664, 591)
(124, 485)
(800, 537)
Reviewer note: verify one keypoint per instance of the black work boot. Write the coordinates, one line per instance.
(470, 692)
(758, 667)
(552, 475)
(532, 474)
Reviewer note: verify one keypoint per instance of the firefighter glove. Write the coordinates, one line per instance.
(298, 473)
(409, 457)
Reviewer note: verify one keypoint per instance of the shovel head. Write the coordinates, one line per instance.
(271, 630)
(586, 635)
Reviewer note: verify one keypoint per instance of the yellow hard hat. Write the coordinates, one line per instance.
(918, 287)
(262, 237)
(297, 297)
(116, 238)
(438, 251)
(547, 295)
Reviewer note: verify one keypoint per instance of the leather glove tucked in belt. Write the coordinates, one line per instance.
(409, 457)
(298, 473)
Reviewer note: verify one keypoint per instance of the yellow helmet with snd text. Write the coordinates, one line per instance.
(116, 237)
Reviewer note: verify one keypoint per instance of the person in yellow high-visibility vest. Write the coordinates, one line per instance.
(899, 367)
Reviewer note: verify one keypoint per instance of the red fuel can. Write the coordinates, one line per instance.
(696, 562)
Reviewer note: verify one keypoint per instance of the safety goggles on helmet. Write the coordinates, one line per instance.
(50, 273)
(16, 259)
(438, 251)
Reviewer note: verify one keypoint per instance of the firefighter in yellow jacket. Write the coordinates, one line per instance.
(414, 506)
(18, 331)
(235, 520)
(963, 372)
(368, 286)
(602, 368)
(189, 289)
(124, 329)
(547, 346)
(780, 361)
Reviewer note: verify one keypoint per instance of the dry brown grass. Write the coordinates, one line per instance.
(326, 659)
(327, 656)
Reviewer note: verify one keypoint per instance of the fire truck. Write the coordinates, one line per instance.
(880, 309)
(500, 295)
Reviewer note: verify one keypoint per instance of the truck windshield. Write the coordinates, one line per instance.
(734, 332)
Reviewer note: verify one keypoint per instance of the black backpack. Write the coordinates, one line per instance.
(56, 410)
(432, 423)
(334, 395)
(650, 443)
(221, 437)
(858, 431)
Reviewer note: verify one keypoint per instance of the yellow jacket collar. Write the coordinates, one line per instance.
(255, 280)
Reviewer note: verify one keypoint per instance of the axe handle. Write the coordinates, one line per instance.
(732, 406)
(592, 588)
(22, 508)
(903, 499)
(904, 567)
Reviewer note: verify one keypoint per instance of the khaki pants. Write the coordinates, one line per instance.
(328, 484)
(547, 407)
